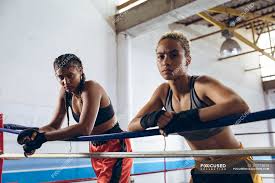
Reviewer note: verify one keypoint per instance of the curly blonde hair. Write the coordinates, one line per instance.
(178, 36)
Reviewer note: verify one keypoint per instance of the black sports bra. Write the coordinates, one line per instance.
(103, 115)
(196, 103)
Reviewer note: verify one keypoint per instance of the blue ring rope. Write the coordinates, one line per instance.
(225, 121)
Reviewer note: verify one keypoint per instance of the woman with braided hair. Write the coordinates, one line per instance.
(92, 110)
(189, 102)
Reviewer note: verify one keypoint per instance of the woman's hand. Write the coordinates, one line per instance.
(31, 139)
(165, 119)
(28, 150)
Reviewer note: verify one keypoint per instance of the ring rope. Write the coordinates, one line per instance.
(225, 121)
(157, 154)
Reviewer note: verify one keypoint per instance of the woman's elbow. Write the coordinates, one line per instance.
(85, 134)
(245, 108)
(130, 127)
(240, 105)
(85, 131)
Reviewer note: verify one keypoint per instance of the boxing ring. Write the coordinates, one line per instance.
(77, 158)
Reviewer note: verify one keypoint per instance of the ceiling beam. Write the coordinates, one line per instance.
(240, 54)
(237, 26)
(205, 35)
(211, 20)
(235, 12)
(199, 20)
(148, 10)
(222, 26)
(152, 14)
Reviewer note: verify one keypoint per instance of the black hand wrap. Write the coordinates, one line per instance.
(26, 135)
(28, 150)
(151, 119)
(185, 120)
(32, 139)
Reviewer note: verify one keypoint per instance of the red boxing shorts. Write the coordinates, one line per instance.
(111, 170)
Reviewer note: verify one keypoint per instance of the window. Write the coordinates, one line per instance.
(267, 65)
(124, 5)
(119, 2)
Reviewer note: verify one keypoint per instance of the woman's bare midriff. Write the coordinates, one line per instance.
(100, 129)
(223, 140)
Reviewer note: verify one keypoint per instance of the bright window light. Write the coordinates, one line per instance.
(268, 65)
(119, 2)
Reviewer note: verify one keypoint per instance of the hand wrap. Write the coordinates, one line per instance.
(151, 119)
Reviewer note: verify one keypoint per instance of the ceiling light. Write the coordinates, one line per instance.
(230, 47)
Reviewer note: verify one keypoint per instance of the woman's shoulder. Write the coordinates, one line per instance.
(205, 82)
(92, 86)
(162, 90)
(164, 87)
(204, 79)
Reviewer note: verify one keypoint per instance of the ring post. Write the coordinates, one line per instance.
(1, 146)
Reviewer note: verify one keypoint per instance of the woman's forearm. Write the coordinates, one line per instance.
(135, 125)
(66, 133)
(220, 110)
(47, 128)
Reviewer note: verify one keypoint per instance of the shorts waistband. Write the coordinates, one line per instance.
(116, 129)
